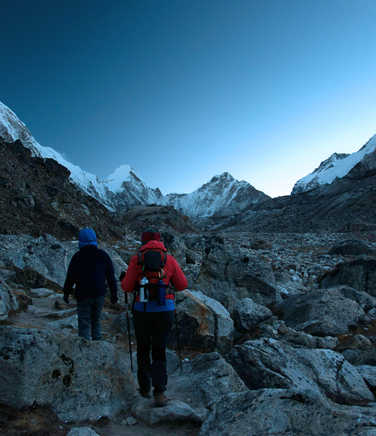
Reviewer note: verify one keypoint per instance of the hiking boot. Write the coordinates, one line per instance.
(145, 394)
(160, 399)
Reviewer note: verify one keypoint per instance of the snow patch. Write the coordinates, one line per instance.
(115, 181)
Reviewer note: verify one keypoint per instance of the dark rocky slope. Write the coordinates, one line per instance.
(36, 197)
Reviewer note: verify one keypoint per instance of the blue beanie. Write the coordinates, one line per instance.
(86, 237)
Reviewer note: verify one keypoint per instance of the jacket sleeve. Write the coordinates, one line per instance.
(130, 280)
(178, 279)
(110, 276)
(70, 278)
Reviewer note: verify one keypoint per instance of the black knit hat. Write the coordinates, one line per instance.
(150, 235)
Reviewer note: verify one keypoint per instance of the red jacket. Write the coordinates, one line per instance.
(174, 274)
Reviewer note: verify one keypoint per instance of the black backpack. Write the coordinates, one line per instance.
(153, 262)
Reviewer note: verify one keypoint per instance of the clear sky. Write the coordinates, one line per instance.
(182, 90)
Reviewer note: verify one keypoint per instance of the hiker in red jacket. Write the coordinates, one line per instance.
(150, 274)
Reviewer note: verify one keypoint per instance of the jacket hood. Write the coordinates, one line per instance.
(86, 237)
(156, 245)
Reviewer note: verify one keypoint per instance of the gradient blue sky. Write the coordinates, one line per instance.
(183, 90)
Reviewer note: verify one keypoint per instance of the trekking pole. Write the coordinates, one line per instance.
(178, 341)
(129, 331)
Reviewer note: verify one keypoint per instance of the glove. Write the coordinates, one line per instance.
(66, 298)
(114, 299)
(122, 275)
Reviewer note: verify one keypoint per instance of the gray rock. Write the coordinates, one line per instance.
(248, 314)
(204, 380)
(372, 314)
(360, 357)
(368, 372)
(322, 312)
(229, 273)
(360, 274)
(82, 431)
(8, 301)
(354, 342)
(273, 364)
(66, 323)
(283, 412)
(79, 380)
(174, 412)
(295, 337)
(45, 255)
(59, 314)
(204, 324)
(131, 421)
(41, 292)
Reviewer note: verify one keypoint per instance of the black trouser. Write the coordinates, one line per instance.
(152, 330)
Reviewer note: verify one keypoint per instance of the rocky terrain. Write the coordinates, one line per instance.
(277, 331)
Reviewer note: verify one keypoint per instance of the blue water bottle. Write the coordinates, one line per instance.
(161, 293)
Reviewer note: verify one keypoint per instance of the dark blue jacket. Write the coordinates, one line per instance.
(90, 269)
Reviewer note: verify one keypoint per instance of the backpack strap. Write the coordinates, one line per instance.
(140, 258)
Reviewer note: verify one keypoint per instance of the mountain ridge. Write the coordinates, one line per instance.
(222, 195)
(123, 189)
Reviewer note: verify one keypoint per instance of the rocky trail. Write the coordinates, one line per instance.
(278, 335)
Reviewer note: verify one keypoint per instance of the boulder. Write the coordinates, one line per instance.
(8, 302)
(284, 412)
(248, 314)
(368, 372)
(41, 293)
(71, 322)
(204, 380)
(229, 273)
(43, 261)
(323, 312)
(175, 412)
(78, 379)
(353, 342)
(298, 338)
(203, 323)
(359, 357)
(268, 363)
(359, 274)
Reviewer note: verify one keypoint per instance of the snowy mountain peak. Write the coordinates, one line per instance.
(330, 162)
(115, 180)
(338, 165)
(222, 195)
(223, 176)
(12, 129)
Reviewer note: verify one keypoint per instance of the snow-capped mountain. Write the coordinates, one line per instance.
(335, 167)
(122, 187)
(126, 189)
(12, 128)
(222, 195)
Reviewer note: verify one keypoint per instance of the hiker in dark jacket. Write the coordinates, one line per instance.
(153, 320)
(88, 271)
